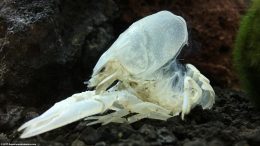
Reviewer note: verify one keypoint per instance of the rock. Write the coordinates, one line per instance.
(113, 132)
(78, 143)
(134, 140)
(253, 137)
(242, 143)
(48, 48)
(215, 142)
(9, 117)
(102, 143)
(148, 131)
(88, 138)
(165, 137)
(3, 138)
(197, 142)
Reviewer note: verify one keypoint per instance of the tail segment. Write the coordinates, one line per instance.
(74, 108)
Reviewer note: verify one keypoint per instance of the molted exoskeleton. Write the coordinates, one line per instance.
(142, 49)
(150, 82)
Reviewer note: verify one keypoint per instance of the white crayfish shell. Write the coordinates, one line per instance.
(150, 83)
(143, 48)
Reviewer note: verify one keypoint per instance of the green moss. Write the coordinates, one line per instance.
(247, 52)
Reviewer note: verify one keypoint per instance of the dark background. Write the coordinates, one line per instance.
(49, 47)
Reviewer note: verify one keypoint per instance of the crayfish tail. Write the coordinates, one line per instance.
(74, 108)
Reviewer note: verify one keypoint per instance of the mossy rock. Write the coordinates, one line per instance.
(247, 52)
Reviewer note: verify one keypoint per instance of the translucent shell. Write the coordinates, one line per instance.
(147, 44)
